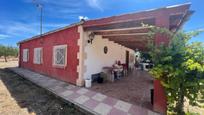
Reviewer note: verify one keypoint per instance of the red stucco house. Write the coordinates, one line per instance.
(75, 52)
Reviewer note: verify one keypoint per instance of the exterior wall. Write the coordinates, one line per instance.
(160, 100)
(81, 57)
(96, 59)
(69, 37)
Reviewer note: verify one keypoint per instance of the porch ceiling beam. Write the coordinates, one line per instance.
(122, 31)
(121, 24)
(125, 35)
(128, 39)
(114, 21)
(141, 48)
(132, 43)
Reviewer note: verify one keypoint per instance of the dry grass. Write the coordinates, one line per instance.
(8, 64)
(194, 109)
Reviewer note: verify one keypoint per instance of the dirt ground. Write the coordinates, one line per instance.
(19, 96)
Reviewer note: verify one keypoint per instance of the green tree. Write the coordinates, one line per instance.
(6, 51)
(180, 68)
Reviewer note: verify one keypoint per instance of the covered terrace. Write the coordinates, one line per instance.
(127, 30)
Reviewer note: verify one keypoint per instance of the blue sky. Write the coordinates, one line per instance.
(19, 19)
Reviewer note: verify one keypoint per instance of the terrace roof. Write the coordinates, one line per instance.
(127, 29)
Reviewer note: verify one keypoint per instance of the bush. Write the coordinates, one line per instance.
(180, 68)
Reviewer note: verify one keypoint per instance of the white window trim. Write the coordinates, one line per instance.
(41, 56)
(25, 59)
(59, 65)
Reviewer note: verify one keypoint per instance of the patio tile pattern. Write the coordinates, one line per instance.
(123, 106)
(93, 102)
(99, 97)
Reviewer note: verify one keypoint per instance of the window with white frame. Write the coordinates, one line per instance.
(37, 59)
(25, 55)
(60, 55)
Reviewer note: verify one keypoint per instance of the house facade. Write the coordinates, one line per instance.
(76, 52)
(48, 48)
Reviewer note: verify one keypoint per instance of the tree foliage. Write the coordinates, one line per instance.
(180, 68)
(6, 51)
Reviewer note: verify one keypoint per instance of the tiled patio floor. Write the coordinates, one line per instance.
(133, 88)
(88, 100)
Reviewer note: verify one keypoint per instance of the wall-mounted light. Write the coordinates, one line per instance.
(91, 37)
(105, 49)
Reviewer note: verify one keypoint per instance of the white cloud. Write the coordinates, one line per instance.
(4, 36)
(63, 9)
(95, 4)
(17, 29)
(83, 17)
(53, 25)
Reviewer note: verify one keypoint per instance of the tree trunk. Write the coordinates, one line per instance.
(5, 59)
(180, 103)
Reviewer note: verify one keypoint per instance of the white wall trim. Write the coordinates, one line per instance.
(25, 55)
(59, 65)
(80, 57)
(35, 60)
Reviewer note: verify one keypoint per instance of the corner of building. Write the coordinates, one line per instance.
(81, 57)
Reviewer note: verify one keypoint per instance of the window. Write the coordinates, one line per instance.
(60, 55)
(25, 55)
(37, 59)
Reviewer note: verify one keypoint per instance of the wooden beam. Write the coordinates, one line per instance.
(124, 35)
(128, 39)
(132, 43)
(137, 47)
(96, 22)
(124, 24)
(122, 31)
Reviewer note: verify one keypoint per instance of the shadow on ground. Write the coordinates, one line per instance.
(37, 100)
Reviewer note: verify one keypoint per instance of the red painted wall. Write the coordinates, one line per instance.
(68, 36)
(160, 100)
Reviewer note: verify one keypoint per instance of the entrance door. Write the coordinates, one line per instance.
(127, 59)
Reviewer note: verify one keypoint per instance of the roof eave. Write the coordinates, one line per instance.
(50, 32)
(185, 19)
